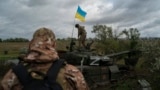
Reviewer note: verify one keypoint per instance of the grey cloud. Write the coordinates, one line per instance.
(20, 18)
(152, 24)
(34, 3)
(133, 12)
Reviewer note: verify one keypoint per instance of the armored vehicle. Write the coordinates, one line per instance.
(97, 69)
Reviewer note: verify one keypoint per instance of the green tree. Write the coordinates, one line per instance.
(107, 41)
(16, 40)
(133, 36)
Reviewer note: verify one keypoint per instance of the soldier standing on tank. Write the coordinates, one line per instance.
(81, 35)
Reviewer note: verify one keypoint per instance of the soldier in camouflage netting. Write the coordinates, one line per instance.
(38, 62)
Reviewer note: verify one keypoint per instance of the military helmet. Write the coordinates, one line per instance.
(44, 33)
(43, 37)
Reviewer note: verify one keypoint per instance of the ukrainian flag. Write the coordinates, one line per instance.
(80, 14)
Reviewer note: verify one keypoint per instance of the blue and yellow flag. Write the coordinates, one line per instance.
(80, 14)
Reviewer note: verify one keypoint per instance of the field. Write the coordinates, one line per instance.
(12, 49)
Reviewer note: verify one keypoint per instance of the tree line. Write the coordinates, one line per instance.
(110, 41)
(14, 40)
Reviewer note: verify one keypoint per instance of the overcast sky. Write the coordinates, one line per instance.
(20, 18)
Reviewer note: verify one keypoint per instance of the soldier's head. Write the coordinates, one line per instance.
(43, 36)
(76, 25)
(42, 45)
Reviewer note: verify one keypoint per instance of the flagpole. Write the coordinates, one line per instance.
(71, 41)
(73, 28)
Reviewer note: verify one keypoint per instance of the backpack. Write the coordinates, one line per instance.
(48, 83)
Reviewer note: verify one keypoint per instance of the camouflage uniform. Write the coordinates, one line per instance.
(81, 35)
(42, 49)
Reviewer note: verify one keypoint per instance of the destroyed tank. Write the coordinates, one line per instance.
(97, 69)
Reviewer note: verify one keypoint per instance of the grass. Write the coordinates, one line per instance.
(13, 49)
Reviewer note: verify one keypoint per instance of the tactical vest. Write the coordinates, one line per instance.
(48, 83)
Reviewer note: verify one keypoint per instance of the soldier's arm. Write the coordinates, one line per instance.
(75, 78)
(10, 81)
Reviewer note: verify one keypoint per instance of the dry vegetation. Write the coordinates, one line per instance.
(14, 47)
